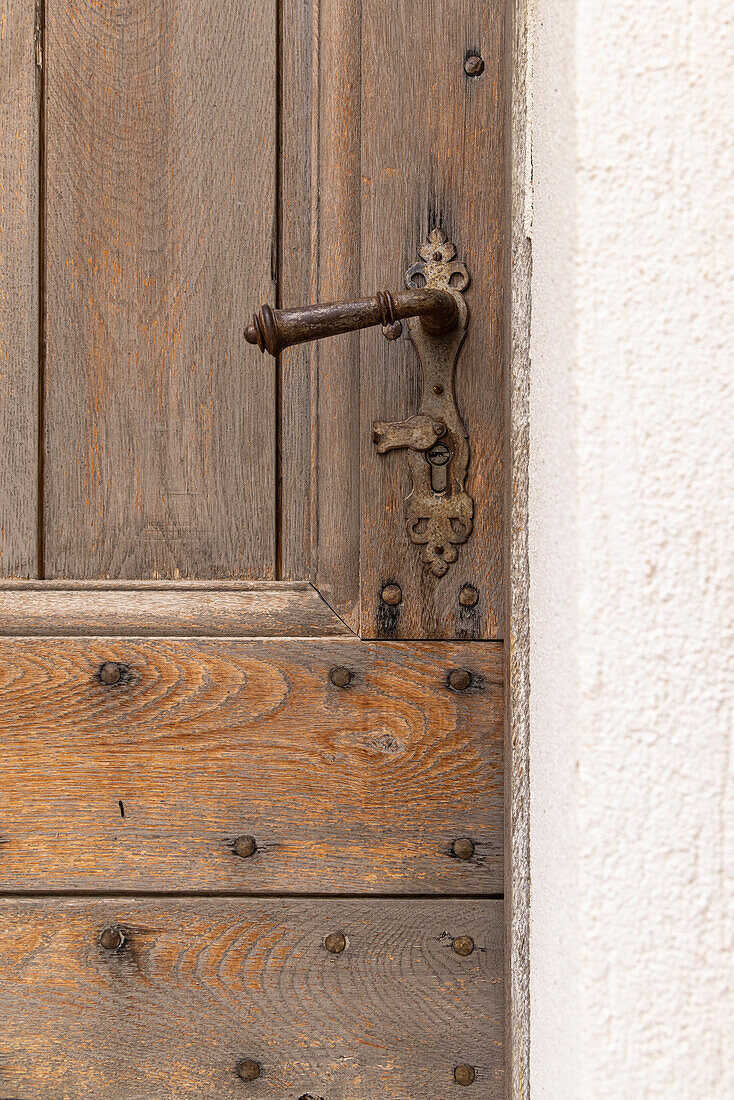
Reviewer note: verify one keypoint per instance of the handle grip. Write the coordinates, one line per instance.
(275, 329)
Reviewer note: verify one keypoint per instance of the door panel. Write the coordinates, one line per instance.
(199, 985)
(146, 783)
(160, 214)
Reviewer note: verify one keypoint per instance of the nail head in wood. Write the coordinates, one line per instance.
(463, 945)
(459, 679)
(335, 943)
(110, 672)
(474, 65)
(392, 594)
(465, 1075)
(468, 597)
(340, 677)
(248, 1069)
(245, 846)
(463, 848)
(111, 939)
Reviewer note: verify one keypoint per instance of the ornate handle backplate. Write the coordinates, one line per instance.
(440, 513)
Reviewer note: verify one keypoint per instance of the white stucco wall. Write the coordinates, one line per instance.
(631, 599)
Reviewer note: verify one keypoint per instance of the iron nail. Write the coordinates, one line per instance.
(335, 943)
(459, 679)
(111, 939)
(248, 1069)
(468, 597)
(465, 1075)
(463, 945)
(245, 846)
(110, 672)
(474, 65)
(340, 677)
(392, 594)
(463, 848)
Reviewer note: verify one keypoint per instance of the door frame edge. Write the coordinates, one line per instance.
(517, 650)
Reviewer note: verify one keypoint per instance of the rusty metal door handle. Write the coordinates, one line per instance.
(275, 329)
(439, 510)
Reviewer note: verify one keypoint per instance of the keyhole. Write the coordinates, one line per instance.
(438, 457)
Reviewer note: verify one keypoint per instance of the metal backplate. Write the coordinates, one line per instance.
(440, 512)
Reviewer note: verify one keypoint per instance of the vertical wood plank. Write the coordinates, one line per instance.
(337, 275)
(160, 444)
(19, 351)
(433, 155)
(296, 426)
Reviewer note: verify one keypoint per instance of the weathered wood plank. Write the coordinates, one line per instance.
(177, 609)
(433, 154)
(147, 782)
(199, 985)
(297, 427)
(19, 290)
(337, 531)
(160, 444)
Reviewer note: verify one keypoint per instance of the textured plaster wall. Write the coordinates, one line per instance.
(631, 216)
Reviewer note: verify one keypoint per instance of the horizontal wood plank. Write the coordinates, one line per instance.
(208, 609)
(199, 985)
(146, 783)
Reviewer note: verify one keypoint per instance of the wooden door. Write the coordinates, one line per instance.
(251, 828)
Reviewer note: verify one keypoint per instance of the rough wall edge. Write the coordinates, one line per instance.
(517, 651)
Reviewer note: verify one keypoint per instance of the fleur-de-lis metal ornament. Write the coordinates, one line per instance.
(439, 511)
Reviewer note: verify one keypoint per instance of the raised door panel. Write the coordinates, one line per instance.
(160, 422)
(19, 287)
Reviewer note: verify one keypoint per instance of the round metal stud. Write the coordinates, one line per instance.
(111, 939)
(463, 848)
(468, 597)
(248, 1069)
(459, 679)
(340, 677)
(335, 943)
(463, 945)
(245, 846)
(474, 65)
(465, 1075)
(392, 594)
(110, 672)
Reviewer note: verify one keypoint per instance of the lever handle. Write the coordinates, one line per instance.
(275, 329)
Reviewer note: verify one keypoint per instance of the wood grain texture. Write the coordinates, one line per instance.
(337, 528)
(19, 290)
(200, 984)
(145, 784)
(160, 444)
(433, 154)
(176, 609)
(297, 426)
